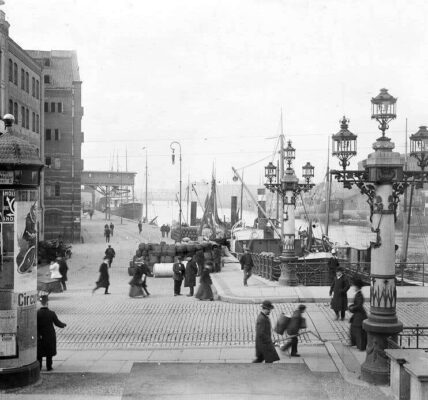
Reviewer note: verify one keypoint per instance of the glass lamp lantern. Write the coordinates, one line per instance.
(308, 172)
(270, 172)
(419, 146)
(384, 109)
(344, 143)
(290, 153)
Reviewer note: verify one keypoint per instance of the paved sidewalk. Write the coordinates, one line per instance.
(230, 288)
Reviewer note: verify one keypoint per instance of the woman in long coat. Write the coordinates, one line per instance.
(204, 290)
(46, 336)
(190, 275)
(339, 288)
(358, 334)
(103, 280)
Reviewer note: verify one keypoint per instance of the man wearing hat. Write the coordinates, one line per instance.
(178, 275)
(190, 274)
(339, 288)
(296, 323)
(46, 336)
(265, 349)
(246, 265)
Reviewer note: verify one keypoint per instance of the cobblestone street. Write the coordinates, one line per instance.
(162, 320)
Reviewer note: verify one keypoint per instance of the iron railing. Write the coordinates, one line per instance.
(321, 273)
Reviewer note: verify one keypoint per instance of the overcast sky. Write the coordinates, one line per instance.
(215, 74)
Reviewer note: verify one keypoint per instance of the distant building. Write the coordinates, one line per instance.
(63, 139)
(21, 95)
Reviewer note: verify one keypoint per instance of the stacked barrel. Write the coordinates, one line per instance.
(154, 253)
(190, 232)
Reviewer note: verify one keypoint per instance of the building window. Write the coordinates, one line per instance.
(22, 79)
(37, 123)
(23, 116)
(48, 162)
(15, 74)
(47, 79)
(52, 107)
(48, 135)
(37, 89)
(60, 107)
(27, 118)
(10, 70)
(57, 134)
(27, 82)
(33, 122)
(33, 87)
(57, 189)
(15, 112)
(57, 163)
(46, 106)
(47, 62)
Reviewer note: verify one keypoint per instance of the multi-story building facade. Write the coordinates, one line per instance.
(21, 94)
(63, 138)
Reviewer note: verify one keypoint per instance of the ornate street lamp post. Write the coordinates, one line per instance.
(288, 187)
(382, 179)
(172, 146)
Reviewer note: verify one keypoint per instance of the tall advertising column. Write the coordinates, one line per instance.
(20, 168)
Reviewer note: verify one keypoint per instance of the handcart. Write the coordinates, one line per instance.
(287, 338)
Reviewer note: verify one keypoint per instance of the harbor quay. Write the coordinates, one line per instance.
(163, 346)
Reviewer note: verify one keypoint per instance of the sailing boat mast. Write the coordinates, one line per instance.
(281, 174)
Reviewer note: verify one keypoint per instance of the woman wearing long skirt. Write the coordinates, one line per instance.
(204, 290)
(104, 279)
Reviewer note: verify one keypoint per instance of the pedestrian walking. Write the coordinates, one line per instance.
(178, 275)
(339, 288)
(167, 229)
(163, 231)
(63, 269)
(111, 228)
(110, 254)
(54, 270)
(357, 333)
(200, 260)
(46, 335)
(265, 349)
(107, 233)
(140, 227)
(204, 291)
(190, 275)
(296, 323)
(217, 258)
(246, 265)
(104, 278)
(136, 282)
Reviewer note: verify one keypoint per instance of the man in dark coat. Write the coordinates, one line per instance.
(296, 323)
(265, 349)
(190, 275)
(103, 280)
(200, 260)
(110, 254)
(63, 268)
(178, 275)
(140, 227)
(46, 336)
(111, 228)
(217, 258)
(246, 265)
(339, 288)
(358, 334)
(107, 233)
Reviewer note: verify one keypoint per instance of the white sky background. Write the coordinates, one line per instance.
(215, 74)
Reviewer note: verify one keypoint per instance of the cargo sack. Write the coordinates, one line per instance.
(282, 324)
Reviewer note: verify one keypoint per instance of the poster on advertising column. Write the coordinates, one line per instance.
(25, 241)
(7, 216)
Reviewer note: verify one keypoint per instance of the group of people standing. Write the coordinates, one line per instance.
(189, 273)
(108, 231)
(165, 229)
